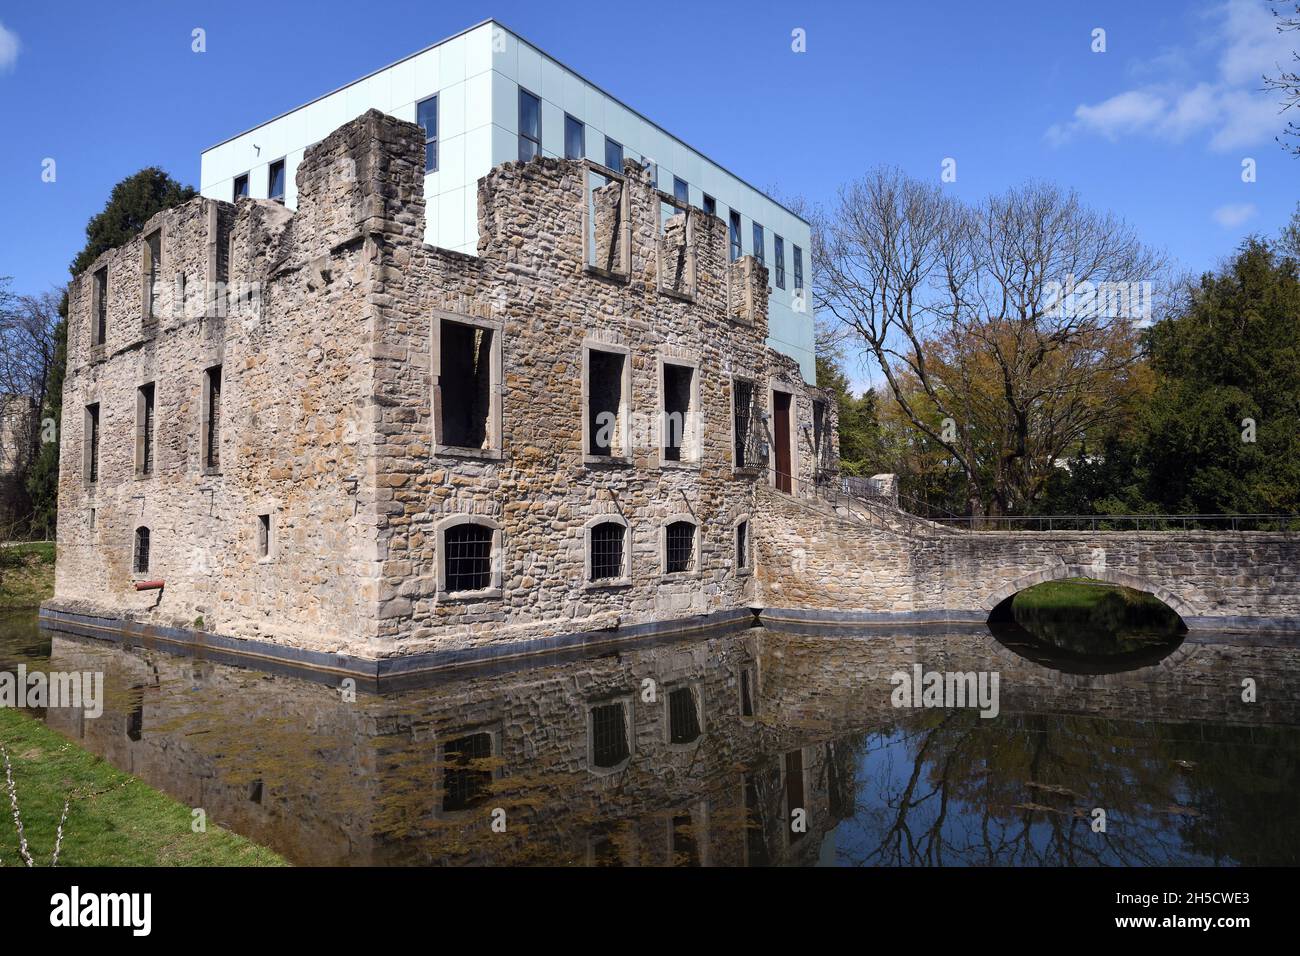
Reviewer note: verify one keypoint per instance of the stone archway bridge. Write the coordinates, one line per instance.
(846, 559)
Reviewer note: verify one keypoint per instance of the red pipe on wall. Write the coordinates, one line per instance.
(148, 585)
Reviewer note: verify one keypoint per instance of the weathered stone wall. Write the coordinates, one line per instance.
(810, 557)
(294, 426)
(328, 412)
(530, 280)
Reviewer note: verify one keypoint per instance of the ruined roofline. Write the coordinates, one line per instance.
(364, 180)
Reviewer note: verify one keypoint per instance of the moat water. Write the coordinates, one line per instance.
(747, 747)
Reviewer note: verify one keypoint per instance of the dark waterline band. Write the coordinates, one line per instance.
(387, 672)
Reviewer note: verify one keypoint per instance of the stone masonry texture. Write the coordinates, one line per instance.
(324, 324)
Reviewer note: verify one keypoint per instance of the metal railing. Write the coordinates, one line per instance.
(1124, 522)
(911, 516)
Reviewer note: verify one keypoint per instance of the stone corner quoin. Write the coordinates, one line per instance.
(318, 432)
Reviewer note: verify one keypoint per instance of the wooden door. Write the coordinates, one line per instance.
(781, 438)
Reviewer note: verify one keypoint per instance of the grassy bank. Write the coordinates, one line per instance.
(114, 819)
(1082, 594)
(26, 575)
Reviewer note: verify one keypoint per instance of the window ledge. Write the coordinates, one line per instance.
(459, 451)
(668, 577)
(611, 461)
(679, 296)
(611, 274)
(607, 584)
(606, 771)
(679, 465)
(744, 572)
(209, 470)
(468, 597)
(745, 472)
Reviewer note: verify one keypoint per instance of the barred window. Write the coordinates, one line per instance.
(794, 795)
(746, 693)
(212, 431)
(145, 425)
(744, 416)
(99, 328)
(465, 778)
(680, 547)
(820, 448)
(607, 551)
(92, 442)
(755, 839)
(141, 562)
(468, 550)
(608, 735)
(686, 851)
(683, 718)
(153, 265)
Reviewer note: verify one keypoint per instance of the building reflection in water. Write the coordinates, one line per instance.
(753, 747)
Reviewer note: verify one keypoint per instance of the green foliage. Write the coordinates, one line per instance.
(26, 574)
(1234, 354)
(862, 443)
(132, 203)
(1230, 354)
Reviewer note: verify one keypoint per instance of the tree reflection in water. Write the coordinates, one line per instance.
(788, 723)
(946, 788)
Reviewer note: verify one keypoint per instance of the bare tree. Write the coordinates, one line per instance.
(1005, 330)
(27, 350)
(1287, 80)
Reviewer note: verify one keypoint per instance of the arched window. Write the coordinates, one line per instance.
(607, 551)
(141, 562)
(469, 558)
(679, 547)
(467, 555)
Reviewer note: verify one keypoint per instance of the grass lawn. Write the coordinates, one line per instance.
(26, 575)
(114, 819)
(1081, 594)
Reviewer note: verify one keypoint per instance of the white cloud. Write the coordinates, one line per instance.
(1233, 214)
(1241, 46)
(8, 49)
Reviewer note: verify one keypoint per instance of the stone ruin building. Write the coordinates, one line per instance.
(311, 435)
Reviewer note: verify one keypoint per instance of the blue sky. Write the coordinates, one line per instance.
(1155, 128)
